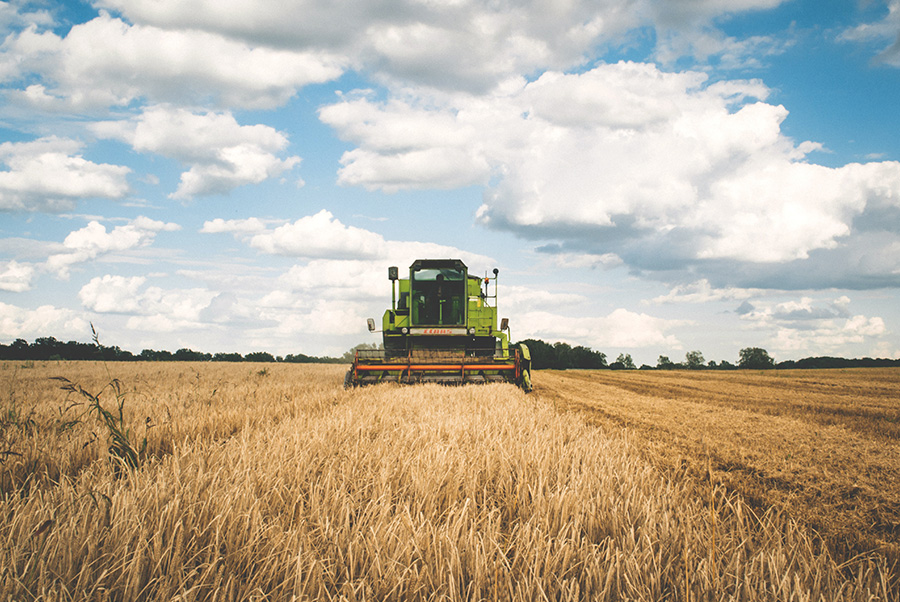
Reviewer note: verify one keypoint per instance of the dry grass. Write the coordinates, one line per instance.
(271, 482)
(822, 444)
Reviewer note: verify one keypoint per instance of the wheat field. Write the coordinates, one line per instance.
(823, 444)
(272, 482)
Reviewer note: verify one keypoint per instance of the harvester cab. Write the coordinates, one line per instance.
(442, 327)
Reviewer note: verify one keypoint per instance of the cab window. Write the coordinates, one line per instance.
(438, 296)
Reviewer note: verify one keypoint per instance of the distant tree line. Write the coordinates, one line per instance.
(562, 356)
(559, 356)
(809, 363)
(49, 348)
(751, 358)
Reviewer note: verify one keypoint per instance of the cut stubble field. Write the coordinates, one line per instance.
(823, 445)
(271, 482)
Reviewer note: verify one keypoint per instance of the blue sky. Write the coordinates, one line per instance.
(650, 178)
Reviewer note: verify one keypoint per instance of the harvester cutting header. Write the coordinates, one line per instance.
(442, 327)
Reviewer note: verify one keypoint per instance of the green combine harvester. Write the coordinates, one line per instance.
(442, 329)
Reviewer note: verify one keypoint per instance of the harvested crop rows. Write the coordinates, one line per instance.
(824, 445)
(269, 481)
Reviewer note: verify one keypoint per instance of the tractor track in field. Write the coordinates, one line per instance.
(821, 446)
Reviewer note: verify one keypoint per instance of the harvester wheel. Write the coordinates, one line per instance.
(348, 379)
(526, 381)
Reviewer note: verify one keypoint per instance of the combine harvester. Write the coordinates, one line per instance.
(442, 330)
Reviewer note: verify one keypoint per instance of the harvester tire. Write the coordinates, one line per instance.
(348, 379)
(526, 381)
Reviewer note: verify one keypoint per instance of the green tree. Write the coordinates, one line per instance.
(350, 355)
(189, 355)
(542, 354)
(563, 355)
(585, 357)
(694, 360)
(624, 362)
(151, 355)
(664, 363)
(755, 358)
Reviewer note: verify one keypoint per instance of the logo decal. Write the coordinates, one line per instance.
(438, 331)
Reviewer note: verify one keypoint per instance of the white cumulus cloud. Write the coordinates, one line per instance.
(29, 323)
(108, 62)
(880, 32)
(320, 235)
(112, 294)
(222, 153)
(702, 291)
(828, 336)
(470, 44)
(662, 159)
(810, 326)
(150, 308)
(16, 277)
(319, 317)
(336, 279)
(94, 240)
(237, 226)
(49, 174)
(323, 236)
(620, 329)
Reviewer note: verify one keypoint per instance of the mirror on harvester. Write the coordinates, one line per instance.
(504, 323)
(371, 323)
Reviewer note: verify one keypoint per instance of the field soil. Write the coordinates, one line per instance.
(821, 445)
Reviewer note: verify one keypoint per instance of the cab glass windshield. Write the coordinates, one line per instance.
(438, 296)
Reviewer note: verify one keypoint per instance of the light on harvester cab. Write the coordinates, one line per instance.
(472, 330)
(393, 275)
(404, 330)
(504, 323)
(371, 323)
